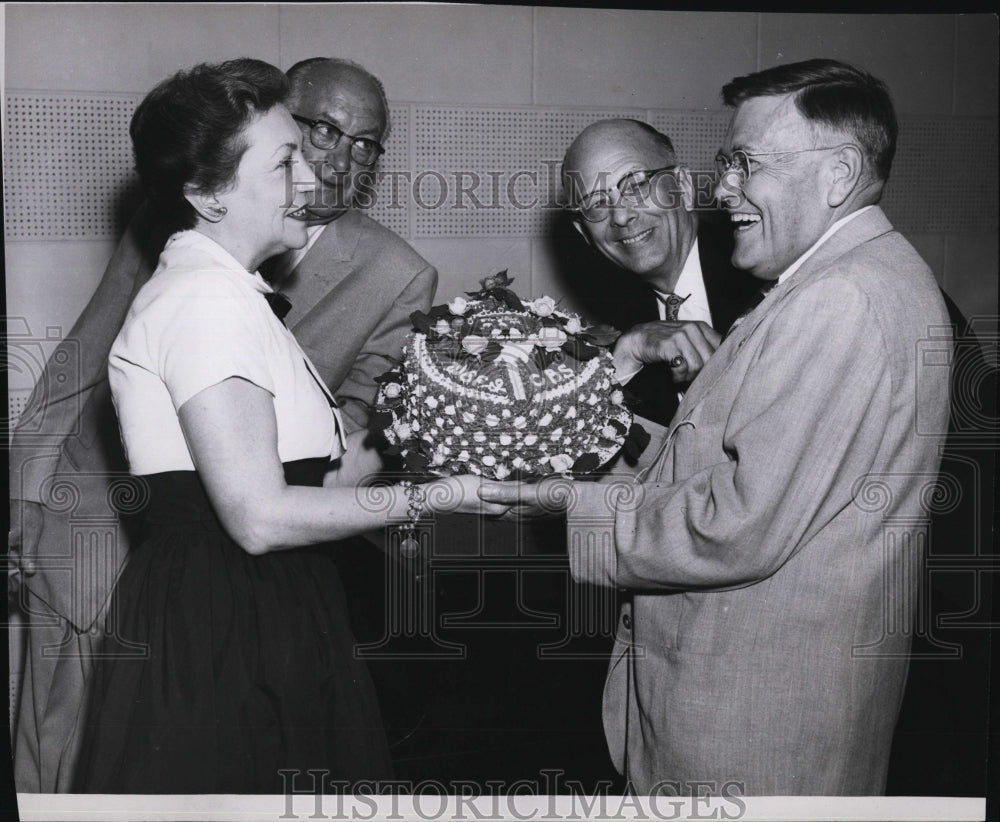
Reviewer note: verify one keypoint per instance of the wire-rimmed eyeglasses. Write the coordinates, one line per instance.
(633, 190)
(739, 161)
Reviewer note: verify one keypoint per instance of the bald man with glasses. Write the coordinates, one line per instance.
(636, 206)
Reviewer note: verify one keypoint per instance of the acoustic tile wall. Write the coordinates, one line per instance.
(393, 211)
(456, 171)
(67, 159)
(478, 91)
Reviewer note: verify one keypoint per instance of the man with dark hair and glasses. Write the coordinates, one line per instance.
(634, 203)
(351, 289)
(774, 543)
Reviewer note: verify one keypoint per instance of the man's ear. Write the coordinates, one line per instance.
(686, 185)
(845, 175)
(207, 205)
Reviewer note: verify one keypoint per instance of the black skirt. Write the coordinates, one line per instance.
(226, 672)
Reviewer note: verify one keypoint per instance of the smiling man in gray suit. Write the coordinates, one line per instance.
(773, 543)
(352, 289)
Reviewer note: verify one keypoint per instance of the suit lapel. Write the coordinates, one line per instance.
(860, 230)
(328, 262)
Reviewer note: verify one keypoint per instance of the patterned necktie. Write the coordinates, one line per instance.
(671, 304)
(280, 304)
(756, 299)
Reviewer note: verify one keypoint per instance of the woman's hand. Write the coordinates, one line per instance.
(460, 495)
(549, 496)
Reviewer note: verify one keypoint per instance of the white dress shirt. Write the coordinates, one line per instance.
(690, 284)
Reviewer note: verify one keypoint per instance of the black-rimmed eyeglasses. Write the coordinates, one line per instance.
(633, 190)
(324, 135)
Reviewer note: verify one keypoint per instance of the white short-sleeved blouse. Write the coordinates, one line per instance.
(201, 319)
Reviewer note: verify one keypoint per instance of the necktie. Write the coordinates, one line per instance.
(671, 304)
(280, 304)
(756, 299)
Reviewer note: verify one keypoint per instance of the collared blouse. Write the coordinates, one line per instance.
(201, 319)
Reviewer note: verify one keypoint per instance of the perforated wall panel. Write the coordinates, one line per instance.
(17, 399)
(390, 205)
(67, 161)
(944, 176)
(455, 171)
(491, 172)
(696, 135)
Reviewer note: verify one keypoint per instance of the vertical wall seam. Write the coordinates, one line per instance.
(954, 70)
(534, 60)
(281, 61)
(760, 26)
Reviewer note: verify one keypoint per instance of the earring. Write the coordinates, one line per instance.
(220, 211)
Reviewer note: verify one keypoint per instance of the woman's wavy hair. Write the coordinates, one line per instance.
(189, 130)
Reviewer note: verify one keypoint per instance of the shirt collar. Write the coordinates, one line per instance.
(192, 238)
(690, 282)
(826, 236)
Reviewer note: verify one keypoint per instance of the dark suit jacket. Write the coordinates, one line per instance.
(653, 390)
(351, 298)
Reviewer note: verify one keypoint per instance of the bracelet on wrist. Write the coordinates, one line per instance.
(409, 545)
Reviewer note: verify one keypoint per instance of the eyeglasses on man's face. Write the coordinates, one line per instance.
(739, 162)
(324, 135)
(633, 190)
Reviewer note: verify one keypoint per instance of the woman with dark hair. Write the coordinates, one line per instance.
(244, 678)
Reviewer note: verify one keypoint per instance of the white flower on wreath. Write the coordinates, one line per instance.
(573, 325)
(443, 327)
(392, 390)
(543, 306)
(551, 338)
(458, 306)
(561, 462)
(501, 472)
(474, 343)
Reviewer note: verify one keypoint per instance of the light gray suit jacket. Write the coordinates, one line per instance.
(351, 295)
(774, 541)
